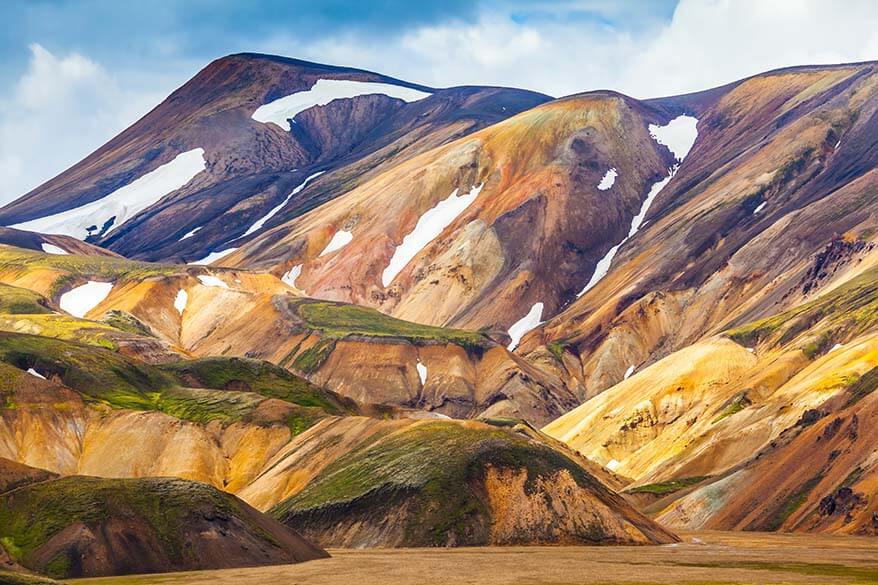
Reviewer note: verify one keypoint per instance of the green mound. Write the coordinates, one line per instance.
(424, 485)
(226, 389)
(20, 301)
(141, 525)
(338, 320)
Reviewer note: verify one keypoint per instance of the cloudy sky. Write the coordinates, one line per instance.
(74, 73)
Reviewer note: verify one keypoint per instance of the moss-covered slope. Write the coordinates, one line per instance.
(445, 483)
(85, 526)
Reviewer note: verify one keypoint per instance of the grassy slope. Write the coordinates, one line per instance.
(437, 462)
(232, 389)
(30, 516)
(845, 312)
(70, 267)
(338, 320)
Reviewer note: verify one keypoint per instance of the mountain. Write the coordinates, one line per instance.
(208, 159)
(679, 291)
(86, 526)
(255, 431)
(184, 311)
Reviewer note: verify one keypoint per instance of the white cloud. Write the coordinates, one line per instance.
(60, 109)
(65, 106)
(707, 43)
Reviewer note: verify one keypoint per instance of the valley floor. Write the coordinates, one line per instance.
(703, 558)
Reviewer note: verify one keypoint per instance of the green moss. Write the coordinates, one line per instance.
(787, 507)
(20, 301)
(310, 360)
(861, 574)
(849, 310)
(228, 389)
(667, 487)
(556, 348)
(260, 377)
(340, 320)
(734, 405)
(865, 385)
(432, 467)
(126, 322)
(72, 267)
(30, 516)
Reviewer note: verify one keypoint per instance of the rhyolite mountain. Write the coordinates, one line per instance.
(237, 168)
(680, 291)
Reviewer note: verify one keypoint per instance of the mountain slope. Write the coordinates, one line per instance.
(773, 205)
(85, 526)
(355, 351)
(200, 160)
(473, 233)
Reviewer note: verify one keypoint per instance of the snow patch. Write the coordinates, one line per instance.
(289, 277)
(261, 221)
(189, 234)
(83, 299)
(422, 372)
(629, 371)
(52, 249)
(208, 280)
(835, 347)
(750, 349)
(282, 110)
(837, 144)
(678, 135)
(613, 465)
(608, 180)
(760, 207)
(123, 203)
(33, 372)
(525, 324)
(429, 226)
(339, 240)
(214, 256)
(181, 300)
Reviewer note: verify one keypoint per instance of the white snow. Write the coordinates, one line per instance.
(422, 372)
(280, 111)
(189, 234)
(261, 221)
(835, 347)
(678, 135)
(837, 144)
(629, 371)
(608, 180)
(750, 349)
(83, 299)
(428, 228)
(341, 239)
(123, 203)
(525, 324)
(613, 465)
(181, 300)
(214, 256)
(760, 207)
(208, 280)
(289, 278)
(33, 372)
(52, 249)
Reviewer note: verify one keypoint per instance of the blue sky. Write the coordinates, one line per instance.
(75, 73)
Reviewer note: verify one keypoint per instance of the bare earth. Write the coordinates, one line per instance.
(704, 558)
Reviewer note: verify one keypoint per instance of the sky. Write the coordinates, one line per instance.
(74, 73)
